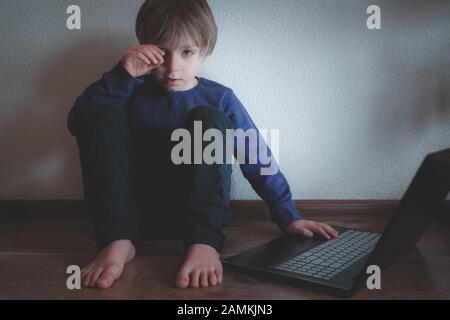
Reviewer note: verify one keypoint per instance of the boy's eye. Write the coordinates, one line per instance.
(189, 52)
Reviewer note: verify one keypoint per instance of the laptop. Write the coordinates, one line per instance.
(339, 265)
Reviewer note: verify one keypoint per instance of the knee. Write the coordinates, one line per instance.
(98, 119)
(210, 117)
(108, 116)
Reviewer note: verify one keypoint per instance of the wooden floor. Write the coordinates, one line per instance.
(37, 244)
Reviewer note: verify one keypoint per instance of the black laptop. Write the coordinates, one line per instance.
(339, 265)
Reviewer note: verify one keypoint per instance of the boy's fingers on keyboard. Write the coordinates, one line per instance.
(332, 232)
(335, 231)
(319, 230)
(301, 231)
(305, 232)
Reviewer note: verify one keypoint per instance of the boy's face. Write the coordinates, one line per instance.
(181, 64)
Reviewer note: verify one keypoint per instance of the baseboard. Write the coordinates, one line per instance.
(246, 208)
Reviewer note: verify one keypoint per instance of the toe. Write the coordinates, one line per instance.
(212, 278)
(195, 275)
(182, 278)
(84, 271)
(86, 279)
(204, 279)
(96, 274)
(219, 275)
(106, 279)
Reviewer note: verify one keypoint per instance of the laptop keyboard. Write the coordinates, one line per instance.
(327, 260)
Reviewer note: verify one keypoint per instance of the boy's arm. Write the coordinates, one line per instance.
(112, 91)
(273, 189)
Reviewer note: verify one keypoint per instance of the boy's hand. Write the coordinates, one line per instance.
(307, 228)
(140, 59)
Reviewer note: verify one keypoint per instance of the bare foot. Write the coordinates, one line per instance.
(202, 267)
(108, 266)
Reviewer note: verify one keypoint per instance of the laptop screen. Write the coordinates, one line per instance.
(422, 201)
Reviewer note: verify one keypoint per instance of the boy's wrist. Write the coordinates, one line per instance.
(126, 73)
(129, 73)
(284, 214)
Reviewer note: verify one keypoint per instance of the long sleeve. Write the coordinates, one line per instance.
(272, 188)
(112, 90)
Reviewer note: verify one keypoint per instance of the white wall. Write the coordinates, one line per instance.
(357, 109)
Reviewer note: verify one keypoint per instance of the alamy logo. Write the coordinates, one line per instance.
(374, 20)
(256, 152)
(74, 20)
(374, 280)
(74, 280)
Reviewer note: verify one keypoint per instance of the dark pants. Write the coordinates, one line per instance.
(187, 201)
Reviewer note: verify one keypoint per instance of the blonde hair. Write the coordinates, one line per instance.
(160, 21)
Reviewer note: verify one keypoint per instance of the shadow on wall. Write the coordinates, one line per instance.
(414, 98)
(42, 152)
(418, 97)
(408, 101)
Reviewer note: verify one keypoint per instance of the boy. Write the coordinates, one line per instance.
(123, 125)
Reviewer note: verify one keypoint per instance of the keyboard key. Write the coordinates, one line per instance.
(332, 257)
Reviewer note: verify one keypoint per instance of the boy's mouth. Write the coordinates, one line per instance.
(172, 81)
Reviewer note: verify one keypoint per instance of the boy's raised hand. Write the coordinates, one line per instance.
(140, 59)
(307, 228)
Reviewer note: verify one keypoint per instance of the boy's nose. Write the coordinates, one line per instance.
(171, 62)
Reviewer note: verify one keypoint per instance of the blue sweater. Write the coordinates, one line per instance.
(148, 105)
